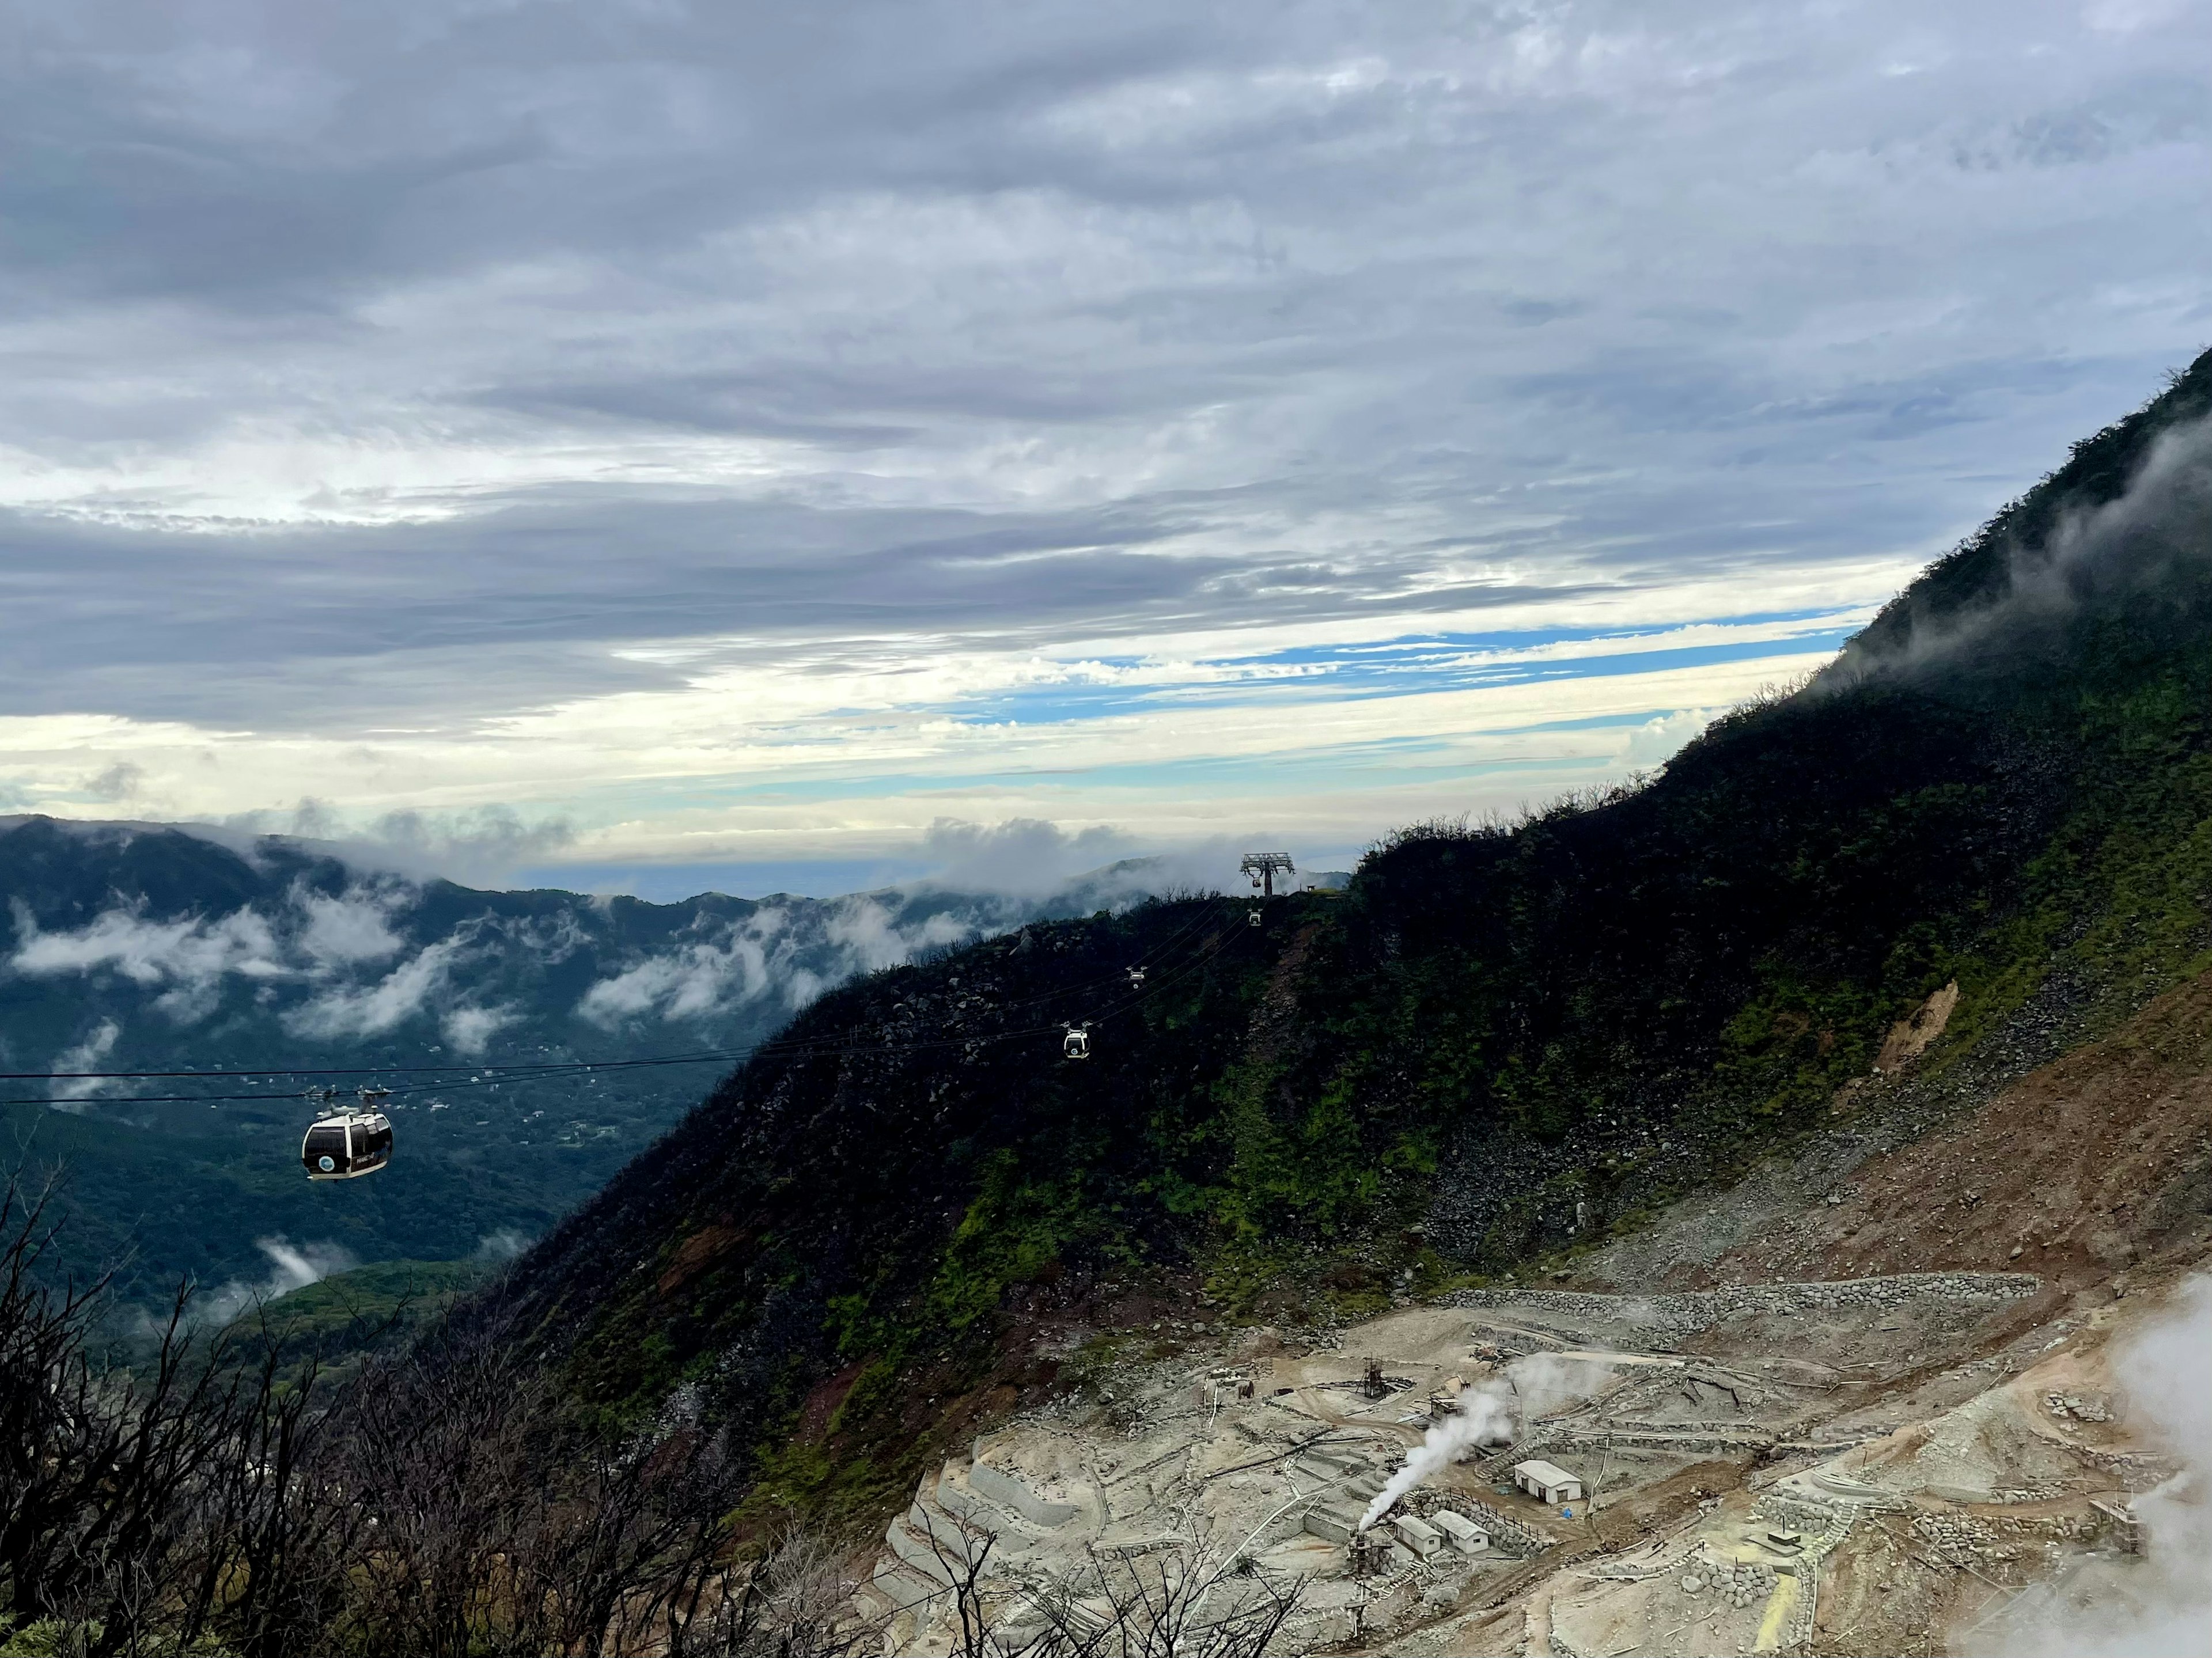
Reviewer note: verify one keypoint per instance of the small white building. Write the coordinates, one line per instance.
(1547, 1482)
(1417, 1534)
(1461, 1532)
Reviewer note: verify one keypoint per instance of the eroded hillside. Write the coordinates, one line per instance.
(1876, 1411)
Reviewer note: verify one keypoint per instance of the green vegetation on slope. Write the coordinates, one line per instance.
(1501, 1041)
(336, 1323)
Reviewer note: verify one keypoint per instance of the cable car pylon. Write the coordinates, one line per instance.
(1264, 866)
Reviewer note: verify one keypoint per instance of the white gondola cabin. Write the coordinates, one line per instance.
(349, 1144)
(1078, 1045)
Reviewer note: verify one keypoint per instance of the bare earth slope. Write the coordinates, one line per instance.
(2076, 1172)
(1860, 1402)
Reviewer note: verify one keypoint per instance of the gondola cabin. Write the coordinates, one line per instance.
(347, 1144)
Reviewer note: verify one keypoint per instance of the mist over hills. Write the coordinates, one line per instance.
(144, 947)
(1504, 1043)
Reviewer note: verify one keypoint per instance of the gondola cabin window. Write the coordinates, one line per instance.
(325, 1150)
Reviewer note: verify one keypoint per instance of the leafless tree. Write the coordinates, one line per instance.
(443, 1505)
(795, 1603)
(1190, 1599)
(99, 1468)
(1187, 1598)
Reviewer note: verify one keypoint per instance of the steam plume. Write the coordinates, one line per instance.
(2162, 1609)
(1490, 1413)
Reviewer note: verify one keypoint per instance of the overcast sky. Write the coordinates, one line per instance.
(739, 436)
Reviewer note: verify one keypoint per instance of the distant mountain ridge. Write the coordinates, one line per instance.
(131, 946)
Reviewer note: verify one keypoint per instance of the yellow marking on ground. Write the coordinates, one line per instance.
(1779, 1606)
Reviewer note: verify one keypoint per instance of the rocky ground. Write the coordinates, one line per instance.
(1861, 1402)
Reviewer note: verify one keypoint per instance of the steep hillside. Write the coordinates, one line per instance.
(140, 947)
(1501, 1042)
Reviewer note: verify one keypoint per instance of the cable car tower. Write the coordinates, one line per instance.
(1264, 866)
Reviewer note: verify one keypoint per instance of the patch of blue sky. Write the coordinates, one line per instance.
(1824, 620)
(1595, 722)
(1395, 668)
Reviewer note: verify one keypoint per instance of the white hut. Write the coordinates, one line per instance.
(1547, 1482)
(1464, 1534)
(1417, 1534)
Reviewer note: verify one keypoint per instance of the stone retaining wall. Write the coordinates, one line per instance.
(1665, 1319)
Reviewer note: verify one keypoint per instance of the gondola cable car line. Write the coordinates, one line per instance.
(483, 1075)
(492, 1075)
(1151, 958)
(346, 1144)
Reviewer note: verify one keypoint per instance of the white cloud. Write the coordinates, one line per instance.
(871, 938)
(701, 978)
(370, 1009)
(353, 927)
(468, 1029)
(87, 1055)
(500, 1247)
(191, 956)
(738, 962)
(290, 1267)
(1022, 855)
(1657, 741)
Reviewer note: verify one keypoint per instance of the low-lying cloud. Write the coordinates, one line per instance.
(370, 1009)
(2144, 540)
(189, 958)
(353, 926)
(415, 987)
(778, 955)
(87, 1055)
(291, 1267)
(315, 941)
(701, 976)
(498, 1247)
(1022, 855)
(379, 954)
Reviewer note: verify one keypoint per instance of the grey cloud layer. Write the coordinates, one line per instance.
(1040, 321)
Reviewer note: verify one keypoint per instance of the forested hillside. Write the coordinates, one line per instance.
(138, 947)
(1504, 1039)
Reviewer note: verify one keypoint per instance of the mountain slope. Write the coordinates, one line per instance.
(141, 947)
(1500, 1041)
